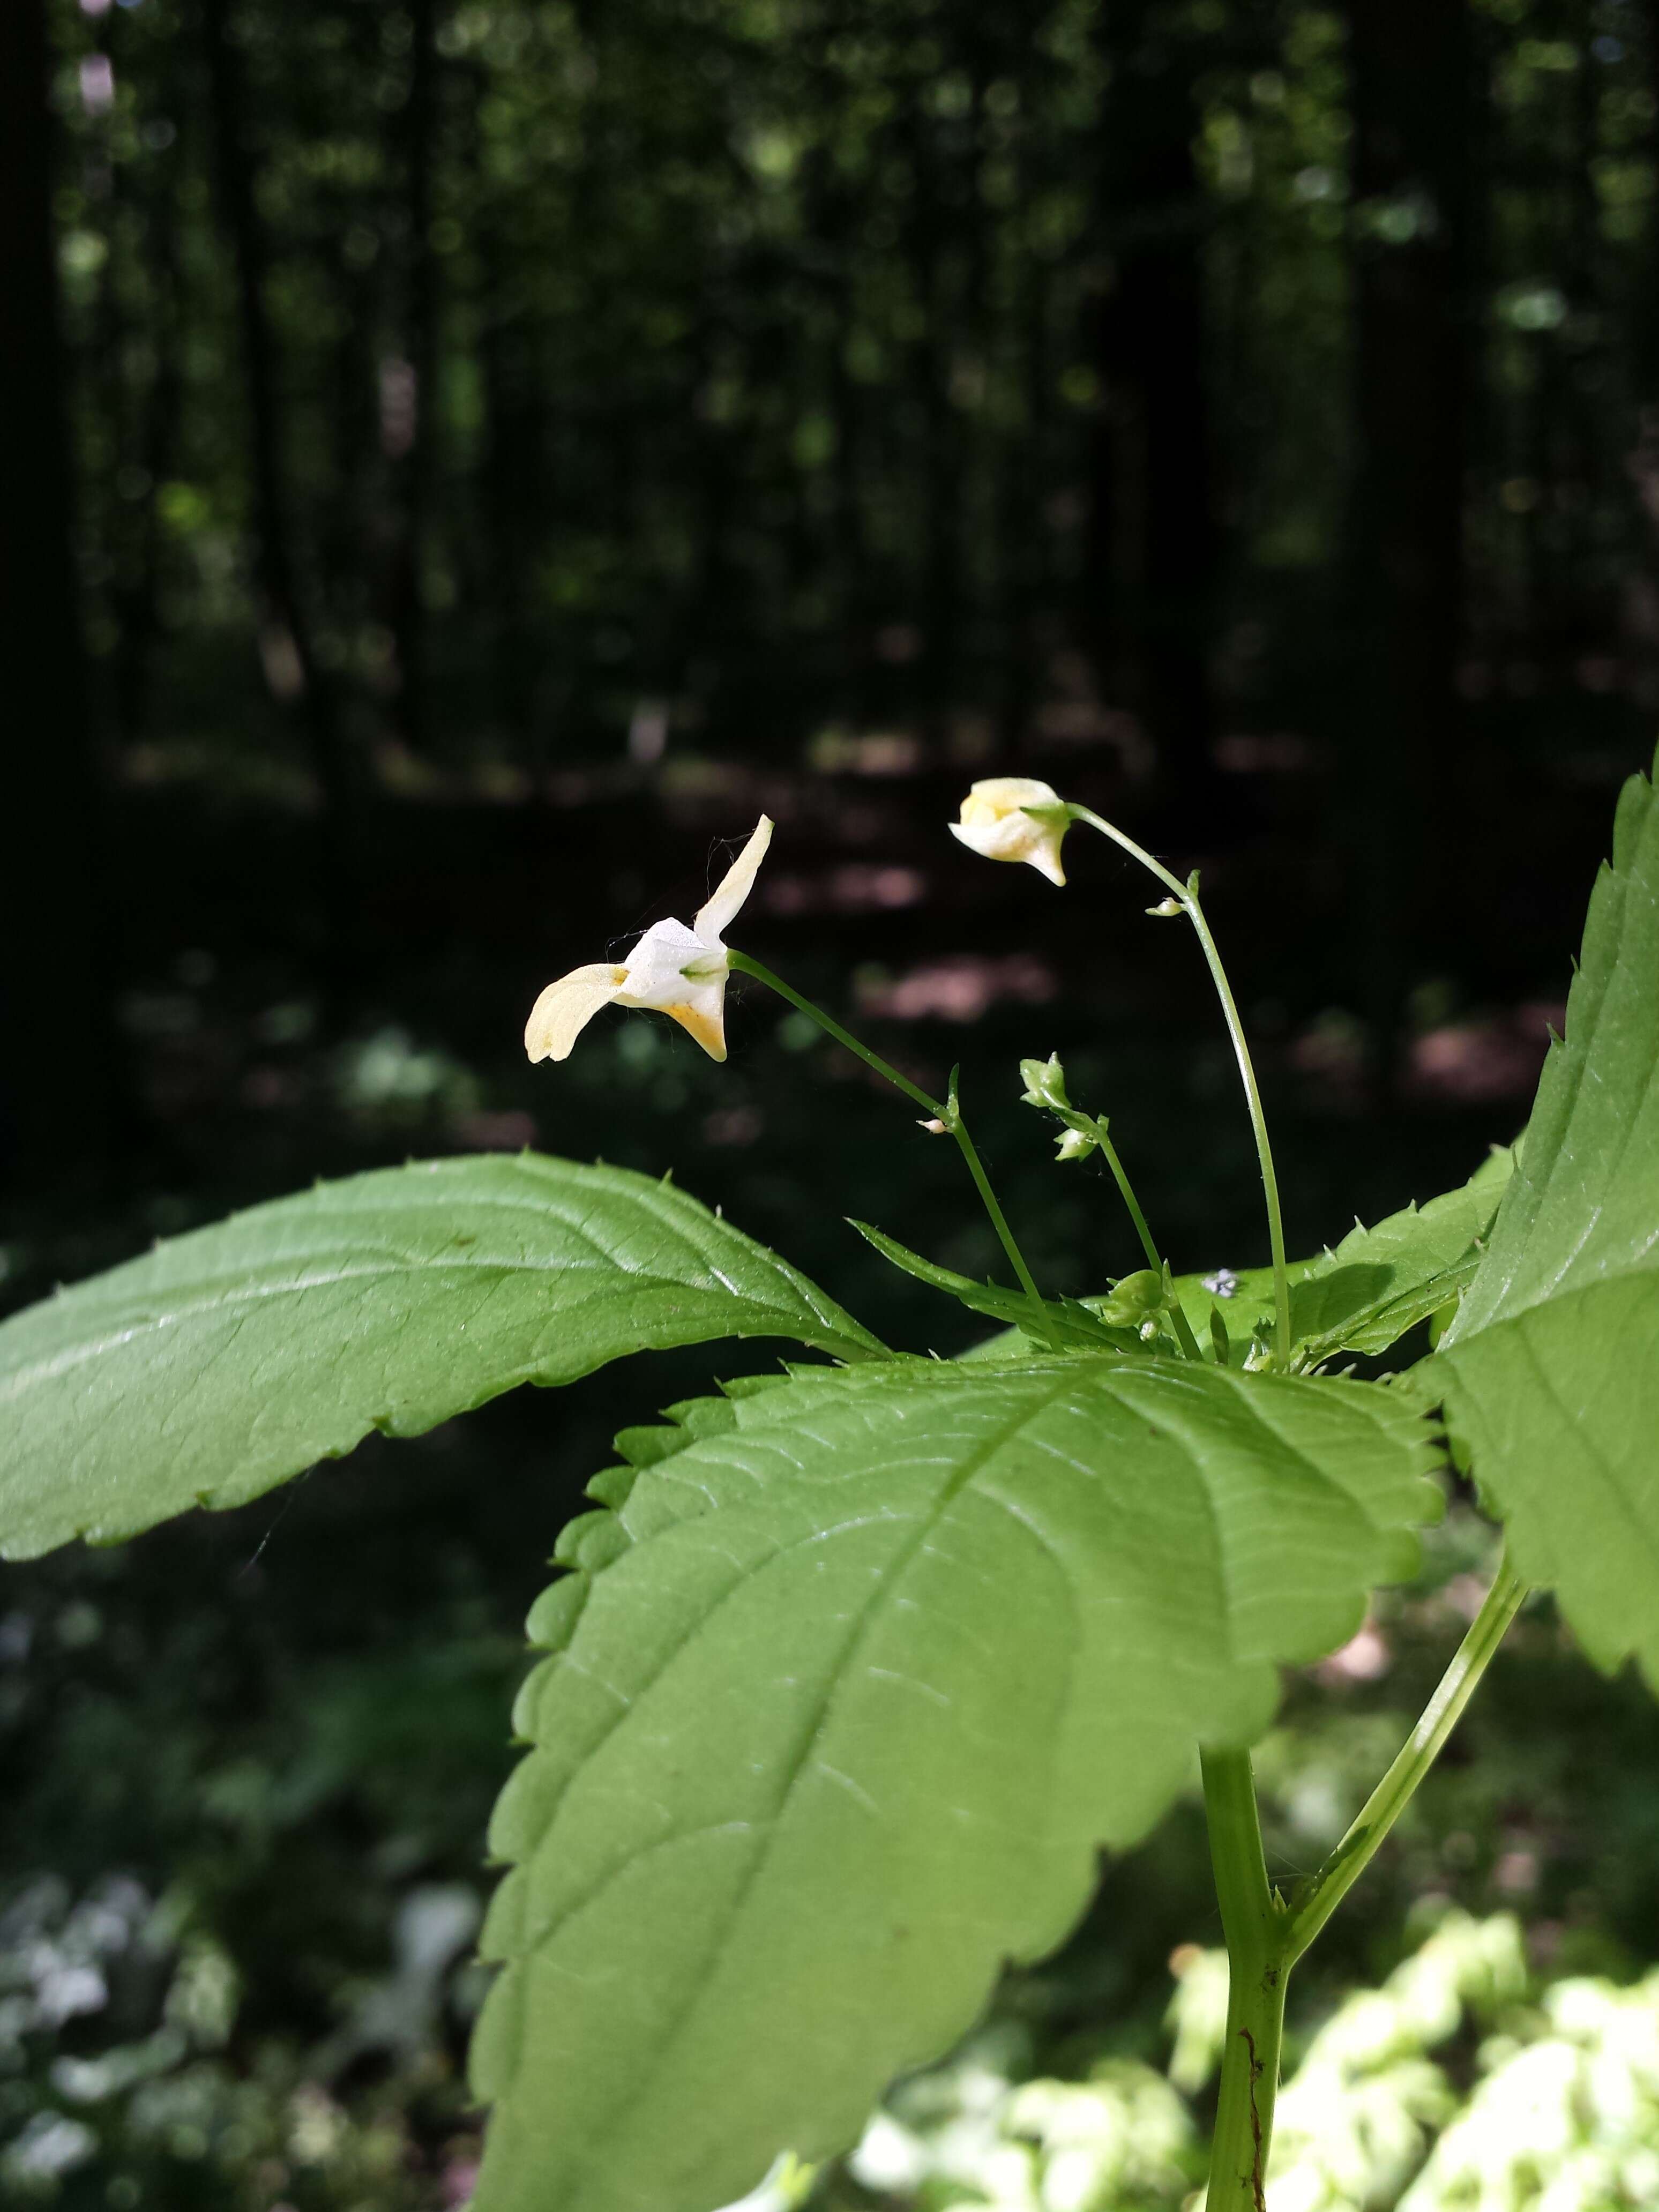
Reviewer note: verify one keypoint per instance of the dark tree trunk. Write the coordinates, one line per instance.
(55, 1033)
(509, 456)
(1155, 532)
(408, 430)
(1410, 62)
(286, 643)
(156, 415)
(931, 265)
(1642, 463)
(833, 219)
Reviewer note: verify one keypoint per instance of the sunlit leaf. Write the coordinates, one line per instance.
(844, 1699)
(1073, 1326)
(1364, 1296)
(1551, 1368)
(227, 1360)
(1382, 1281)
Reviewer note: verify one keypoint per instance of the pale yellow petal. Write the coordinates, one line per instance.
(709, 1027)
(734, 887)
(995, 797)
(565, 1008)
(1014, 837)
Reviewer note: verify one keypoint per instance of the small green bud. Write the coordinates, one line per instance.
(1045, 1083)
(1166, 908)
(1136, 1298)
(1075, 1145)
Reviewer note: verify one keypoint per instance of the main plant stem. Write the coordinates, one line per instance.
(1265, 1937)
(1186, 900)
(1252, 1920)
(947, 1113)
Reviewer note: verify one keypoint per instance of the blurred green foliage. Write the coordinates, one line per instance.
(754, 360)
(716, 376)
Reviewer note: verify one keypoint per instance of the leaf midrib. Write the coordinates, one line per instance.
(232, 1306)
(861, 1626)
(884, 1592)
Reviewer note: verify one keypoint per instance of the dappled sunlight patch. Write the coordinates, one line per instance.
(1364, 1657)
(868, 752)
(859, 887)
(1477, 1059)
(959, 987)
(1482, 1062)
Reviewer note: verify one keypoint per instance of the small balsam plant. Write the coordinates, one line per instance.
(857, 1669)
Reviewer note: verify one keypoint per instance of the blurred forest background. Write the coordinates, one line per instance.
(463, 459)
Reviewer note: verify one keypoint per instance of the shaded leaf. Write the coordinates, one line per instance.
(1382, 1281)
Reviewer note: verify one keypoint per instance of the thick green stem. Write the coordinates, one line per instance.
(1185, 898)
(1252, 1920)
(1326, 1891)
(947, 1113)
(1265, 1937)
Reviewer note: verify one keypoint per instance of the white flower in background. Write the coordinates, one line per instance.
(674, 971)
(995, 823)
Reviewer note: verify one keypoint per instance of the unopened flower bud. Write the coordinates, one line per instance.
(1166, 908)
(1045, 1083)
(1075, 1145)
(1137, 1298)
(1015, 817)
(934, 1128)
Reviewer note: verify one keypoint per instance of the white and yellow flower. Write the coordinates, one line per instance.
(673, 970)
(995, 822)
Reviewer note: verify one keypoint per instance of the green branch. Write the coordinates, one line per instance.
(1178, 1321)
(947, 1113)
(1183, 898)
(1327, 1888)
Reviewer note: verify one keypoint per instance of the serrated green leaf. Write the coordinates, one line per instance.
(1363, 1296)
(1551, 1366)
(1076, 1328)
(1378, 1283)
(1382, 1281)
(882, 1666)
(227, 1360)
